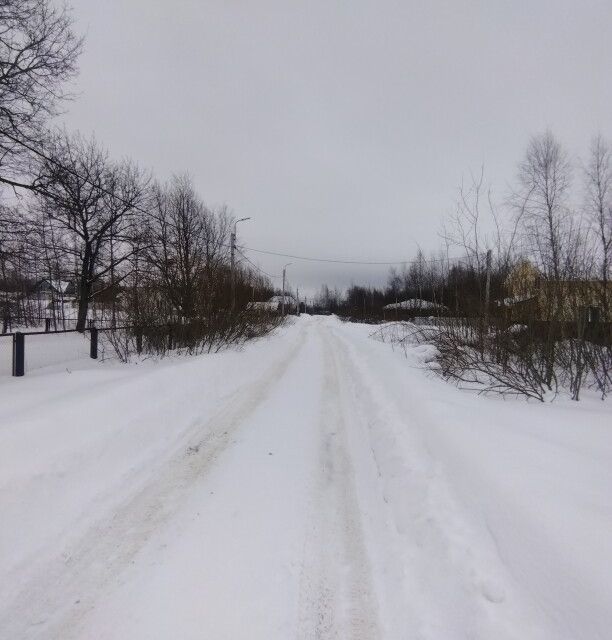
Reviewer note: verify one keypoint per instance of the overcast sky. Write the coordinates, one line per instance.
(342, 128)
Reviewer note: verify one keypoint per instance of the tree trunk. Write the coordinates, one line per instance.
(85, 285)
(84, 291)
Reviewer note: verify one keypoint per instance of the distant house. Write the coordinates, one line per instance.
(55, 288)
(275, 303)
(533, 297)
(262, 306)
(289, 300)
(56, 296)
(416, 304)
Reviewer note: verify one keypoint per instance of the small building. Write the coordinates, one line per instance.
(262, 306)
(416, 305)
(533, 297)
(275, 304)
(54, 288)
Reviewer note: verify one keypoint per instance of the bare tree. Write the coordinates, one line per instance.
(177, 250)
(599, 206)
(542, 202)
(475, 227)
(216, 239)
(464, 229)
(11, 243)
(38, 54)
(90, 202)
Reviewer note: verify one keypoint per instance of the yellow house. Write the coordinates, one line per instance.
(532, 297)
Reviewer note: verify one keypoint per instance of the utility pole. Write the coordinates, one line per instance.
(283, 301)
(488, 288)
(112, 278)
(297, 295)
(232, 270)
(233, 262)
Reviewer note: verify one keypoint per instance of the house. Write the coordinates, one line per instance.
(262, 306)
(275, 303)
(55, 288)
(533, 297)
(56, 296)
(417, 305)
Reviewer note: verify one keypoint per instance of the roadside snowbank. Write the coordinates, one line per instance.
(74, 441)
(536, 478)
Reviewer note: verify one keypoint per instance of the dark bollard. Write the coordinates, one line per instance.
(18, 354)
(93, 345)
(47, 325)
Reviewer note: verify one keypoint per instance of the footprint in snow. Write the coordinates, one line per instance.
(492, 592)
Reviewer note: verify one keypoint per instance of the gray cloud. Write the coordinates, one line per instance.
(341, 128)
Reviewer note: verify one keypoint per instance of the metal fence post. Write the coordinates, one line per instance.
(18, 353)
(93, 345)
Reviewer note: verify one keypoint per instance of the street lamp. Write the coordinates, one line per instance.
(283, 303)
(233, 260)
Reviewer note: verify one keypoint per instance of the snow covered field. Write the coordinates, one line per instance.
(316, 484)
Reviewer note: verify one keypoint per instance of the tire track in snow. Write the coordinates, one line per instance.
(337, 596)
(454, 582)
(54, 601)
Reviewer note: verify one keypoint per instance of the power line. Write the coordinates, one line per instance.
(358, 262)
(311, 259)
(262, 251)
(265, 273)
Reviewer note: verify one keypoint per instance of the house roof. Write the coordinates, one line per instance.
(263, 305)
(415, 304)
(59, 285)
(509, 302)
(279, 299)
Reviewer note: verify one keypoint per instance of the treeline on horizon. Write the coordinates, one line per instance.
(558, 219)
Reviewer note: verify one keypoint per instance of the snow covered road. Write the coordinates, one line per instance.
(314, 485)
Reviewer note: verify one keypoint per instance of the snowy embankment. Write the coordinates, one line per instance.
(314, 484)
(532, 483)
(77, 445)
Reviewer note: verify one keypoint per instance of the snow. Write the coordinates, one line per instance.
(263, 306)
(532, 485)
(42, 350)
(6, 355)
(289, 299)
(58, 285)
(274, 303)
(508, 302)
(316, 484)
(415, 304)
